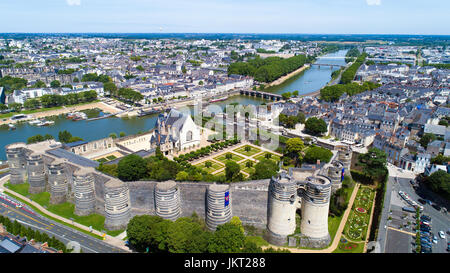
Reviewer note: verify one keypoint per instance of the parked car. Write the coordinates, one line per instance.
(424, 234)
(441, 234)
(426, 218)
(435, 240)
(428, 202)
(421, 201)
(436, 207)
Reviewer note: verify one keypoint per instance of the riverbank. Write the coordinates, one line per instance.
(67, 109)
(288, 76)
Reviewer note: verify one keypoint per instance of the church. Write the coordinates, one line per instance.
(174, 132)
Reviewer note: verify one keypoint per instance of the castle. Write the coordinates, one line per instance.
(267, 204)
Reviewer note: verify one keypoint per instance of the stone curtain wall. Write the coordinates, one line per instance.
(248, 199)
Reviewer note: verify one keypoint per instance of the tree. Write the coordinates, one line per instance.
(39, 84)
(208, 164)
(228, 238)
(295, 93)
(294, 147)
(140, 230)
(426, 139)
(315, 153)
(233, 172)
(113, 135)
(110, 88)
(186, 236)
(439, 182)
(315, 126)
(131, 168)
(373, 163)
(31, 104)
(122, 134)
(55, 84)
(35, 139)
(182, 176)
(15, 106)
(440, 159)
(264, 169)
(235, 220)
(229, 156)
(64, 136)
(286, 95)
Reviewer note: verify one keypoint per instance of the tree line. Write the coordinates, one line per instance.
(332, 93)
(268, 69)
(349, 74)
(153, 234)
(16, 228)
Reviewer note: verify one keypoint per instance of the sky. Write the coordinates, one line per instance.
(427, 17)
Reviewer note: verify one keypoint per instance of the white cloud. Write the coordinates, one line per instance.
(373, 2)
(73, 2)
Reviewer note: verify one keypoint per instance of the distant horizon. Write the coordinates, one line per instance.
(312, 17)
(240, 33)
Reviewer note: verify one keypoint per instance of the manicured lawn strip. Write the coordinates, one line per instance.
(54, 219)
(223, 159)
(274, 157)
(214, 167)
(253, 150)
(111, 157)
(102, 160)
(333, 225)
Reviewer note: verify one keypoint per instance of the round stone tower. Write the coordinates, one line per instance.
(218, 205)
(57, 181)
(345, 157)
(282, 199)
(335, 175)
(84, 191)
(117, 205)
(167, 200)
(36, 173)
(315, 205)
(17, 162)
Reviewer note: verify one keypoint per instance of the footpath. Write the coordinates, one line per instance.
(108, 239)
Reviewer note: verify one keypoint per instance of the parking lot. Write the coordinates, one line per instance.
(405, 221)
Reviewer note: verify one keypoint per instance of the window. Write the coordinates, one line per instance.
(189, 136)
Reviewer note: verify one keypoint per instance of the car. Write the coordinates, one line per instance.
(424, 234)
(435, 240)
(436, 207)
(425, 217)
(425, 229)
(428, 202)
(425, 223)
(421, 201)
(441, 234)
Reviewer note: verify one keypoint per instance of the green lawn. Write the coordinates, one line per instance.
(262, 156)
(214, 167)
(245, 169)
(102, 160)
(222, 158)
(253, 150)
(21, 189)
(349, 247)
(111, 157)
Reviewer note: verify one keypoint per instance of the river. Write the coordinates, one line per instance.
(308, 81)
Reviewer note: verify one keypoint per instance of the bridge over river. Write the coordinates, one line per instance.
(261, 94)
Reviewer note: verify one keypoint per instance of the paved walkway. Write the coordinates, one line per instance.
(403, 231)
(338, 235)
(108, 239)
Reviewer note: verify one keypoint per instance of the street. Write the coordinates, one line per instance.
(63, 233)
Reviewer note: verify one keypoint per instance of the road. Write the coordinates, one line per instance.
(62, 232)
(65, 234)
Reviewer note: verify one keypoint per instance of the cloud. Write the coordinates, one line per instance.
(373, 2)
(73, 2)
